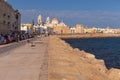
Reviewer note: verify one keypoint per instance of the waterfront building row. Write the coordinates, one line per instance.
(10, 19)
(59, 27)
(101, 30)
(56, 27)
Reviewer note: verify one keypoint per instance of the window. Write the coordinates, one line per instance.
(8, 16)
(4, 22)
(16, 16)
(4, 15)
(8, 23)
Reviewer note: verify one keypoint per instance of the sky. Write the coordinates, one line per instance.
(93, 13)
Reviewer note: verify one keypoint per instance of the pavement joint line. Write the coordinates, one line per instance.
(44, 65)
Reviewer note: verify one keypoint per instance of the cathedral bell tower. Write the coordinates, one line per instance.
(48, 20)
(39, 20)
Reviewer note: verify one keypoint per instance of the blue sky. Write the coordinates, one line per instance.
(98, 13)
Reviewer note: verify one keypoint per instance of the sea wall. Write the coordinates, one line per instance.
(67, 63)
(96, 35)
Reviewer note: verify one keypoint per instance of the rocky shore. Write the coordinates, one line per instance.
(67, 63)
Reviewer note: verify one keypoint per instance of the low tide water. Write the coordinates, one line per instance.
(107, 49)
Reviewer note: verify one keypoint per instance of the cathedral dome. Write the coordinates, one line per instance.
(54, 21)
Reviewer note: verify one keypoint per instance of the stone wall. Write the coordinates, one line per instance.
(92, 35)
(66, 63)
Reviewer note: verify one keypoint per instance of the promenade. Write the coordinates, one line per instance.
(51, 58)
(25, 62)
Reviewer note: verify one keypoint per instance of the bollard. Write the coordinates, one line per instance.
(32, 44)
(28, 41)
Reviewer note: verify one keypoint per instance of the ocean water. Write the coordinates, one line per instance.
(107, 49)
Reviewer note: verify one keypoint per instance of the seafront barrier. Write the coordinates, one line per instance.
(92, 35)
(67, 63)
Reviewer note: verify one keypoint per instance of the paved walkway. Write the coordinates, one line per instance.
(25, 63)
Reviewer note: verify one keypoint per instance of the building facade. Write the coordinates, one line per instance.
(10, 19)
(27, 28)
(79, 28)
(53, 25)
(60, 27)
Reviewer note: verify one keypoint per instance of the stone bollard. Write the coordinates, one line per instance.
(32, 44)
(28, 41)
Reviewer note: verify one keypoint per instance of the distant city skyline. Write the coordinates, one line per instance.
(98, 13)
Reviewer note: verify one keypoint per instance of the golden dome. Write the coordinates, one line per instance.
(55, 20)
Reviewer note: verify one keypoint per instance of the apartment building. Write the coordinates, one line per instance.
(10, 19)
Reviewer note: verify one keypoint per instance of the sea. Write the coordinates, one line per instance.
(107, 49)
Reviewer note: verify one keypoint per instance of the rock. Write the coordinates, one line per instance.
(66, 63)
(100, 65)
(76, 50)
(87, 55)
(114, 74)
(90, 56)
